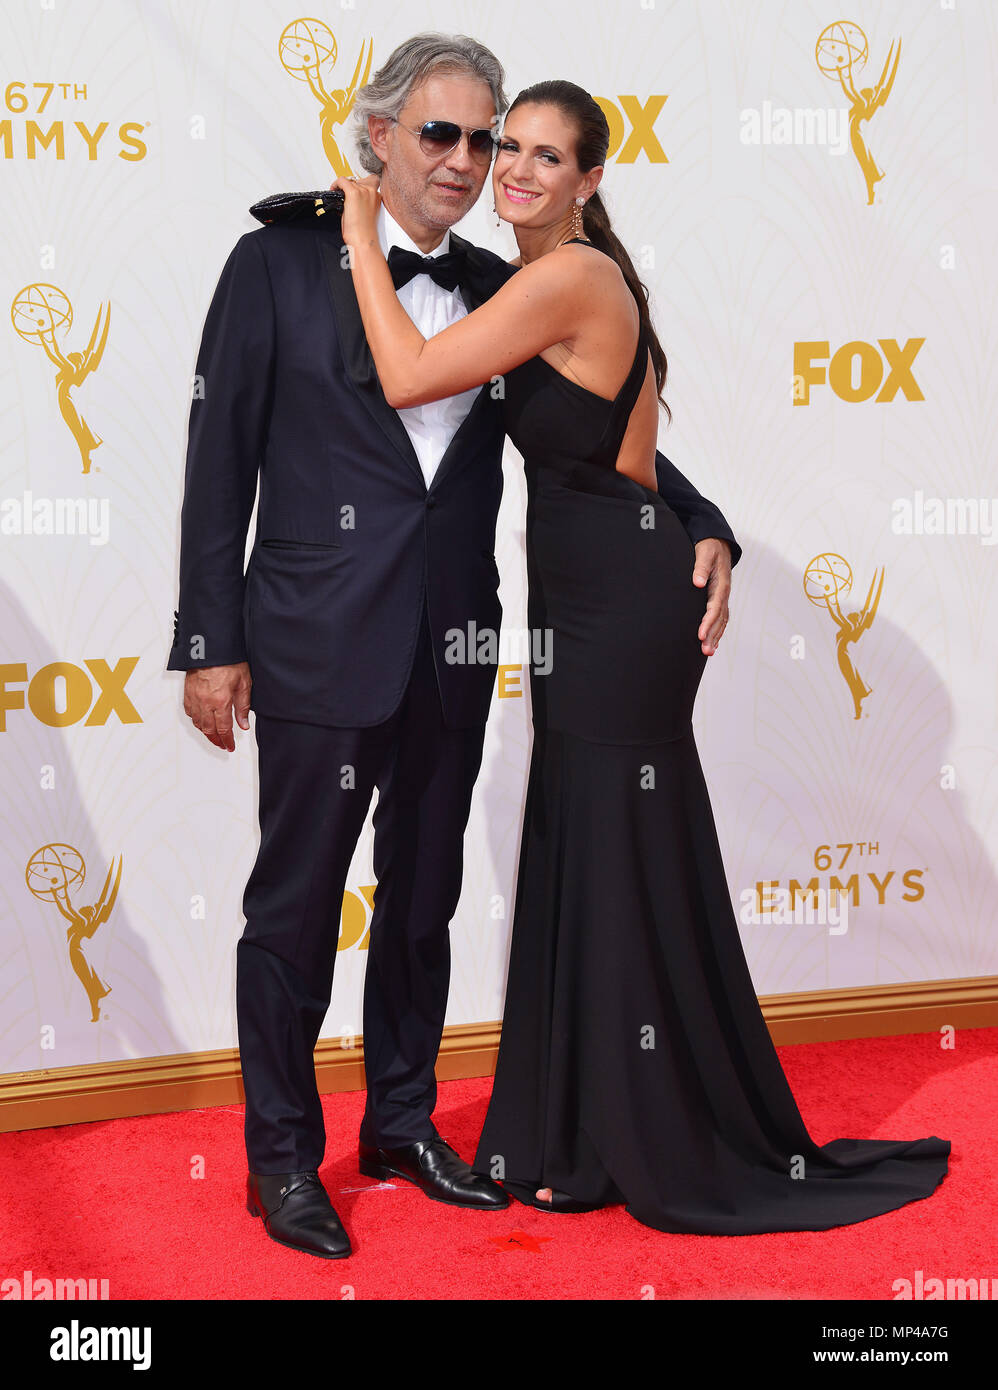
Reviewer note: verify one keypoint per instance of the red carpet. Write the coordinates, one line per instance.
(116, 1200)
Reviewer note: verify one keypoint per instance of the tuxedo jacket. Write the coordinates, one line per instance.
(349, 539)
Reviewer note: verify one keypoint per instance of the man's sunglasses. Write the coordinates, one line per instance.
(440, 137)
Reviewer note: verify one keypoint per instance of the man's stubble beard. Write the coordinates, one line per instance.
(412, 196)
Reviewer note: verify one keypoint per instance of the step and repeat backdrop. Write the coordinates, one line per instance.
(811, 200)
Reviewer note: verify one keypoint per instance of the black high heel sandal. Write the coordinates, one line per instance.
(560, 1201)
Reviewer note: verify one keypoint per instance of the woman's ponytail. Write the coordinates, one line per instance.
(596, 225)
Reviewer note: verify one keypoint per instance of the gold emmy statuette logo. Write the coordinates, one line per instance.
(51, 872)
(841, 47)
(38, 313)
(825, 579)
(306, 47)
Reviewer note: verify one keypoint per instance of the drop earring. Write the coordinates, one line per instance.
(577, 217)
(498, 218)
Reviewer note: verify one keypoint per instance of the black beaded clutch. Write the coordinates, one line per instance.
(297, 207)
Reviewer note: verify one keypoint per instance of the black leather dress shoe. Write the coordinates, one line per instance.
(435, 1167)
(297, 1212)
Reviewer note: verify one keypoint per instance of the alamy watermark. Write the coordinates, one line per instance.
(945, 516)
(29, 515)
(795, 125)
(30, 1287)
(811, 907)
(476, 645)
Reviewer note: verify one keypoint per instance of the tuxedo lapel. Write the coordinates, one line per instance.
(357, 355)
(474, 420)
(478, 283)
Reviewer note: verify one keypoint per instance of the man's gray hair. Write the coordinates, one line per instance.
(413, 61)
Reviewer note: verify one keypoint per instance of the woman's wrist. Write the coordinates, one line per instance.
(367, 245)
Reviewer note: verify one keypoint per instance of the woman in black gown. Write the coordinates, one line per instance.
(635, 1065)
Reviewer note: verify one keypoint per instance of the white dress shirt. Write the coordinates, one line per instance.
(432, 426)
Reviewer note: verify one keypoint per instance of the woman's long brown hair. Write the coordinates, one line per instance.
(593, 141)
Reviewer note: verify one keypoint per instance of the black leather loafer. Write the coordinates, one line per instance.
(435, 1167)
(297, 1212)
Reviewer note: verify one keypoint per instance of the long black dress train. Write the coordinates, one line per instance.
(635, 1065)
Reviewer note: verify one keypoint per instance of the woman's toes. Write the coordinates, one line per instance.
(544, 1194)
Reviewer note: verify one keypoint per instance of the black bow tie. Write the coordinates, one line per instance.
(446, 270)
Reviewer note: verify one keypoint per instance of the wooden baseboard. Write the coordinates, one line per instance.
(191, 1081)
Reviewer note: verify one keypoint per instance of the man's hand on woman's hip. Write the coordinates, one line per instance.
(713, 568)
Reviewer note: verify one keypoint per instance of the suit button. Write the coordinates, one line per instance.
(431, 502)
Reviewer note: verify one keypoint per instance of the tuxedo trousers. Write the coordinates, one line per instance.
(316, 783)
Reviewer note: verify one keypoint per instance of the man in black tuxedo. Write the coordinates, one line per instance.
(375, 535)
